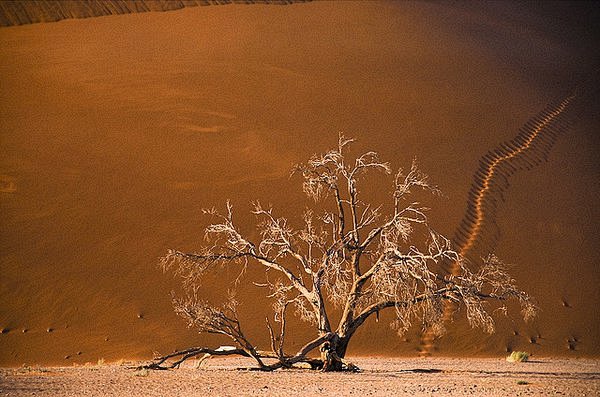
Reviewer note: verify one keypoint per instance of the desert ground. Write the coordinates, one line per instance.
(379, 377)
(117, 130)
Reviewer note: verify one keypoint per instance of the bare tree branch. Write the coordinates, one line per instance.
(351, 255)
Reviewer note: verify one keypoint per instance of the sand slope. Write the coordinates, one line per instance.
(116, 131)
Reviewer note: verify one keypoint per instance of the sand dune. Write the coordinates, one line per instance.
(116, 131)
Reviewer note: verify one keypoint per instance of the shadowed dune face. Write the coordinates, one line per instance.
(116, 131)
(23, 12)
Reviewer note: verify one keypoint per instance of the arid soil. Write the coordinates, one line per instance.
(379, 377)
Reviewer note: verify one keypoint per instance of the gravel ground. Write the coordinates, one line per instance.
(379, 377)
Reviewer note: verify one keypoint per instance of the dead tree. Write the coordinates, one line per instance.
(353, 256)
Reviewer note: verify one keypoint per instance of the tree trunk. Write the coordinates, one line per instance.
(333, 352)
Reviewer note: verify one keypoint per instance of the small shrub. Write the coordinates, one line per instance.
(522, 382)
(101, 361)
(518, 357)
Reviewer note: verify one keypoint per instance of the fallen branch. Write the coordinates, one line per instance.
(282, 361)
(193, 352)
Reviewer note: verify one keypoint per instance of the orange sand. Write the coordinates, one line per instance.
(116, 131)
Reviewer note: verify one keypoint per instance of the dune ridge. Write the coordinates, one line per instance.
(527, 150)
(19, 12)
(478, 232)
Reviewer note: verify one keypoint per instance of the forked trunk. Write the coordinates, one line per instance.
(333, 352)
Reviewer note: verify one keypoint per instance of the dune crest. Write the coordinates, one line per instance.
(528, 149)
(478, 233)
(23, 12)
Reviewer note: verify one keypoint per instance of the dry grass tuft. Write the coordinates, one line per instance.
(518, 357)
